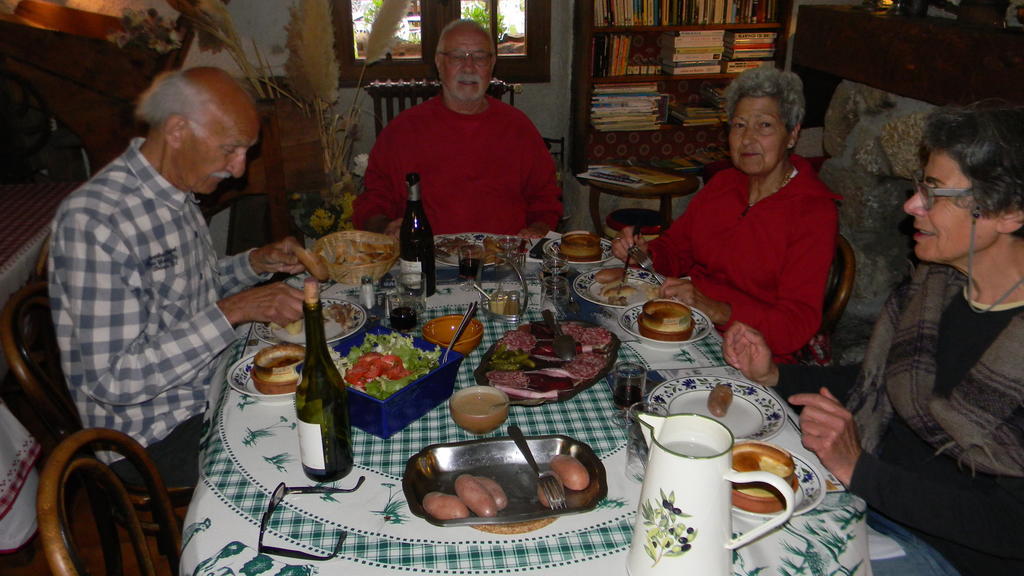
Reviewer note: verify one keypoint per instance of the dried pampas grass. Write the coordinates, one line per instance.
(385, 25)
(312, 67)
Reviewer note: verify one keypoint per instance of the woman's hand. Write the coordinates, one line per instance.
(277, 257)
(626, 240)
(746, 350)
(827, 429)
(683, 290)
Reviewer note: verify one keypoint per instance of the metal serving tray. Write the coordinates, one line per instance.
(436, 467)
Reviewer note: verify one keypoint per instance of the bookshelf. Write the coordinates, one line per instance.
(592, 146)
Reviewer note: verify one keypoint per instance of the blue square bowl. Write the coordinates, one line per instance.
(383, 418)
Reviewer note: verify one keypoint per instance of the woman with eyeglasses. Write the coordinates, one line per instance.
(755, 244)
(929, 429)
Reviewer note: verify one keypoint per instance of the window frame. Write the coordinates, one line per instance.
(535, 66)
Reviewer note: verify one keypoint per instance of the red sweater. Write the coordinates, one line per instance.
(487, 172)
(769, 264)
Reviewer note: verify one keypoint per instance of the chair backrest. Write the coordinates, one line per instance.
(840, 285)
(73, 464)
(30, 348)
(391, 97)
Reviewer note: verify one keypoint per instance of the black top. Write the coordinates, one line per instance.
(976, 520)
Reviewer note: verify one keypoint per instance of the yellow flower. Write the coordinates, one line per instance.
(322, 221)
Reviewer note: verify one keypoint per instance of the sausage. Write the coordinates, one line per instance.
(475, 496)
(573, 475)
(444, 506)
(496, 491)
(608, 275)
(719, 400)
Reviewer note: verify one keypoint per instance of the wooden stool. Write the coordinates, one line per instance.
(663, 192)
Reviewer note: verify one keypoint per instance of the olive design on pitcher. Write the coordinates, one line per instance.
(667, 534)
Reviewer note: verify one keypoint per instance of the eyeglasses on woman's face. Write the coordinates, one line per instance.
(277, 497)
(475, 58)
(929, 194)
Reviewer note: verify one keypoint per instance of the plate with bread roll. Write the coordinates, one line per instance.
(614, 288)
(341, 319)
(581, 247)
(665, 324)
(749, 411)
(762, 499)
(269, 375)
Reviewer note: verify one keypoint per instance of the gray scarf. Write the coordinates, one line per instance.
(974, 424)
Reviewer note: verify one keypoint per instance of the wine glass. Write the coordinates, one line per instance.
(629, 382)
(471, 263)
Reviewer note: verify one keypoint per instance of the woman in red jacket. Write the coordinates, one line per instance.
(755, 244)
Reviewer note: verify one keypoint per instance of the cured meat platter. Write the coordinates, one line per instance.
(522, 363)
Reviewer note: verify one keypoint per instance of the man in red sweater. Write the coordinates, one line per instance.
(483, 166)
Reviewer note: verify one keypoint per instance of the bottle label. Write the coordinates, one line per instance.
(410, 266)
(311, 446)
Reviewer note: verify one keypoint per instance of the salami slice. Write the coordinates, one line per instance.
(506, 379)
(518, 340)
(593, 336)
(586, 366)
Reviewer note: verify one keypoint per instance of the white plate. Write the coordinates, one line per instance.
(240, 378)
(606, 252)
(810, 490)
(590, 289)
(453, 259)
(702, 326)
(755, 413)
(332, 330)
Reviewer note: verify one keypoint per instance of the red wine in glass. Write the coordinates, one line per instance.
(403, 318)
(469, 268)
(626, 394)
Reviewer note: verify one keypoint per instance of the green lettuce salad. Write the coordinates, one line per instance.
(415, 361)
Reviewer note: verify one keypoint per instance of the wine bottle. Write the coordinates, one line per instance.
(415, 239)
(321, 401)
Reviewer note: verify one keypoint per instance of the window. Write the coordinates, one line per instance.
(521, 28)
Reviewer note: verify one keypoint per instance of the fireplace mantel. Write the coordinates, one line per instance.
(936, 60)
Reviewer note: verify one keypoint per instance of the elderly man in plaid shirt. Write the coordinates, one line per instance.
(141, 303)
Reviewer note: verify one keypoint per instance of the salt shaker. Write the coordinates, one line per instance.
(366, 293)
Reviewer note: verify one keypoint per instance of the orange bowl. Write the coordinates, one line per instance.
(440, 331)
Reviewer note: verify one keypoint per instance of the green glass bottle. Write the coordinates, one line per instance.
(321, 401)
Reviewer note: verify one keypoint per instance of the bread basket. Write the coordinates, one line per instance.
(352, 254)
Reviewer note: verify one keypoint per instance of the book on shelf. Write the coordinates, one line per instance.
(690, 37)
(738, 36)
(748, 54)
(626, 88)
(631, 176)
(681, 13)
(694, 57)
(750, 46)
(735, 66)
(690, 70)
(694, 64)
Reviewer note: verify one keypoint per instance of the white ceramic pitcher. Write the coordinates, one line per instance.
(684, 523)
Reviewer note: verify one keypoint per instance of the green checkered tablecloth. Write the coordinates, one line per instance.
(250, 447)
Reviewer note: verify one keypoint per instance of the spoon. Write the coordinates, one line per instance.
(470, 312)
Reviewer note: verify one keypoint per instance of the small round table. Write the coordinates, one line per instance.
(663, 192)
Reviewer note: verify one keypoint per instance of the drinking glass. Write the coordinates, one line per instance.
(636, 444)
(628, 381)
(408, 301)
(553, 263)
(471, 264)
(554, 295)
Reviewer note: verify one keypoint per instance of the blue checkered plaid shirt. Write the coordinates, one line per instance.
(134, 282)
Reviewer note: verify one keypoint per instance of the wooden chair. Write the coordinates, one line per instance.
(839, 286)
(391, 97)
(72, 465)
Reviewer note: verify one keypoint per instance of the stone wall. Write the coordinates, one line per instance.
(872, 140)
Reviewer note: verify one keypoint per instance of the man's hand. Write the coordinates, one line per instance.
(746, 350)
(827, 429)
(277, 302)
(277, 257)
(535, 230)
(683, 290)
(625, 240)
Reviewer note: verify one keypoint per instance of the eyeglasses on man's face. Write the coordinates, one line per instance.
(476, 58)
(928, 193)
(277, 497)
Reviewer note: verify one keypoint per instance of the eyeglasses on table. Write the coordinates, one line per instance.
(278, 496)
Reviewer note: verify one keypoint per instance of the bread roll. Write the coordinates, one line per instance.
(274, 369)
(665, 320)
(608, 275)
(314, 263)
(580, 247)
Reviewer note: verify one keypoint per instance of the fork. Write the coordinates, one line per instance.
(644, 261)
(549, 484)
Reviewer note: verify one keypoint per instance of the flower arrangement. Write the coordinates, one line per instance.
(146, 29)
(312, 73)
